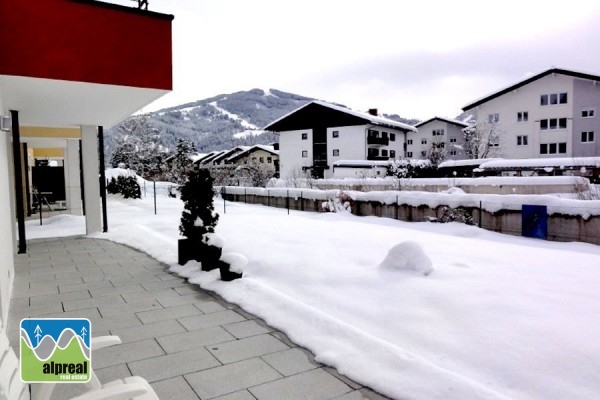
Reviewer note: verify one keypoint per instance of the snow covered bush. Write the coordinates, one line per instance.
(449, 214)
(340, 203)
(407, 256)
(199, 216)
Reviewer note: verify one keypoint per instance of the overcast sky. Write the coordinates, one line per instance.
(416, 59)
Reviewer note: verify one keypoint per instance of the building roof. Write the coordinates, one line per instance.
(228, 153)
(466, 162)
(527, 81)
(211, 156)
(361, 163)
(330, 115)
(448, 120)
(268, 149)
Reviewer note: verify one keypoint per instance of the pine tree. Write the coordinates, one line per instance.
(198, 217)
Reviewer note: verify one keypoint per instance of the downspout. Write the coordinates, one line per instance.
(102, 178)
(16, 137)
(27, 183)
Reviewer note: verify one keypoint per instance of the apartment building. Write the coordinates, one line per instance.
(315, 136)
(551, 114)
(440, 133)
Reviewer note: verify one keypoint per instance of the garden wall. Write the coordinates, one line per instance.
(566, 222)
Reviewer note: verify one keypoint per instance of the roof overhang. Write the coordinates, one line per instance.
(50, 102)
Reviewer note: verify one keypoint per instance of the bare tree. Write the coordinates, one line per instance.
(254, 173)
(482, 140)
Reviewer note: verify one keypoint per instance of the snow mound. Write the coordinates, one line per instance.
(453, 190)
(407, 256)
(237, 262)
(215, 240)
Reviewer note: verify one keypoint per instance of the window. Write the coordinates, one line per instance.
(493, 118)
(553, 99)
(409, 154)
(392, 137)
(587, 137)
(522, 140)
(423, 153)
(384, 153)
(335, 134)
(452, 152)
(304, 153)
(269, 160)
(522, 116)
(423, 141)
(453, 140)
(438, 132)
(304, 136)
(336, 152)
(392, 153)
(553, 123)
(409, 141)
(254, 159)
(588, 113)
(262, 160)
(553, 148)
(384, 135)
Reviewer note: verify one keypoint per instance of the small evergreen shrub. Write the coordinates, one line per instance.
(128, 187)
(112, 187)
(198, 217)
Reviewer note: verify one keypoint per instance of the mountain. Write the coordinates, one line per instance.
(222, 121)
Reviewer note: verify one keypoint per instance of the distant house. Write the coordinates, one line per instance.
(437, 132)
(259, 155)
(318, 134)
(551, 114)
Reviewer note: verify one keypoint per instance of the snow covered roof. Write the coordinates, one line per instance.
(363, 116)
(560, 162)
(197, 156)
(527, 81)
(211, 157)
(465, 163)
(229, 153)
(268, 149)
(360, 164)
(448, 120)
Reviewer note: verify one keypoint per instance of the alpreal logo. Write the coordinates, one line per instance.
(55, 350)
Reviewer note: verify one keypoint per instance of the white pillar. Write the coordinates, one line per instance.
(7, 229)
(91, 179)
(72, 182)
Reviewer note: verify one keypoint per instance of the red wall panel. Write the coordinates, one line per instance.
(85, 41)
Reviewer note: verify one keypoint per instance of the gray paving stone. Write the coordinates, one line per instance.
(210, 306)
(127, 352)
(37, 310)
(57, 298)
(113, 322)
(172, 283)
(107, 291)
(292, 361)
(243, 349)
(208, 320)
(241, 395)
(185, 299)
(154, 330)
(362, 394)
(83, 286)
(133, 307)
(92, 302)
(246, 329)
(172, 365)
(189, 340)
(189, 289)
(343, 378)
(315, 384)
(174, 388)
(168, 313)
(18, 293)
(113, 373)
(231, 378)
(284, 338)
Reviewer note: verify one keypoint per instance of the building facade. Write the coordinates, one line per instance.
(315, 136)
(440, 133)
(551, 114)
(69, 69)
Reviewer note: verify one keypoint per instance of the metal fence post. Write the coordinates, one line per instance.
(223, 193)
(480, 214)
(288, 201)
(154, 184)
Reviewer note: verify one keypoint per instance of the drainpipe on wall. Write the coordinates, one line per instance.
(19, 200)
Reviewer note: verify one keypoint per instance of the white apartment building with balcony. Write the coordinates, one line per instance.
(317, 135)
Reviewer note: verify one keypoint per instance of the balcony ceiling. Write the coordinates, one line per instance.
(49, 102)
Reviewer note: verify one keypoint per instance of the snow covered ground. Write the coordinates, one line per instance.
(499, 317)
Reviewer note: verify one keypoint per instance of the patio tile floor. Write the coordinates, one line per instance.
(187, 342)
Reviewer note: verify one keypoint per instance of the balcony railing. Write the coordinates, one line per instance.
(377, 158)
(376, 140)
